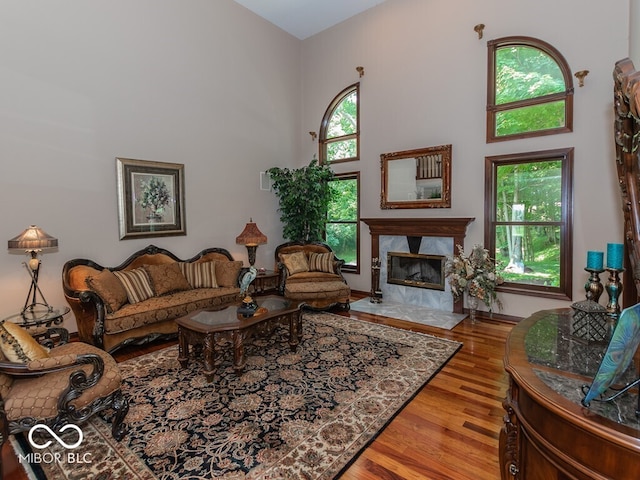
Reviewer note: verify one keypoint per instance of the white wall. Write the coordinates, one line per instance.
(425, 84)
(204, 83)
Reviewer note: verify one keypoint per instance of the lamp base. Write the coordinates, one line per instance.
(32, 308)
(251, 251)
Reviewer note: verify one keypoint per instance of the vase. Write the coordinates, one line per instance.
(472, 303)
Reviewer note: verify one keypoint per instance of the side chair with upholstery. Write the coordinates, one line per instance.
(67, 384)
(310, 273)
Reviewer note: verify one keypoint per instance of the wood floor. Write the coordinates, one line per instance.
(448, 431)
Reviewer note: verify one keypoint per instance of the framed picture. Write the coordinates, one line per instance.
(150, 198)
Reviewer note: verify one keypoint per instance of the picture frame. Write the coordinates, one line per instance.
(150, 198)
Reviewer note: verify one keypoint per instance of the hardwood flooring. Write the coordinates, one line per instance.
(448, 431)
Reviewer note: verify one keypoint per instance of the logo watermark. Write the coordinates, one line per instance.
(55, 457)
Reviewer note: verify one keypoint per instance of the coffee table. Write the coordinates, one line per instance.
(201, 327)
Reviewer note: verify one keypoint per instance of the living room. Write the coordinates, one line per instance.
(217, 88)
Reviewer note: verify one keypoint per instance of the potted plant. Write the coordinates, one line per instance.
(304, 195)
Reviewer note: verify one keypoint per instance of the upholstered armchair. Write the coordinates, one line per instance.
(310, 273)
(67, 384)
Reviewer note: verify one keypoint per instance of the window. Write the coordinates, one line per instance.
(340, 128)
(530, 90)
(343, 220)
(528, 221)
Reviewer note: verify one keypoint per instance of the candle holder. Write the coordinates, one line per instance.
(594, 287)
(614, 289)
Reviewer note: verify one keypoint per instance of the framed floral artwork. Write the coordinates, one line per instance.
(150, 198)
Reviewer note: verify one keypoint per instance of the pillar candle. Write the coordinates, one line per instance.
(614, 255)
(594, 260)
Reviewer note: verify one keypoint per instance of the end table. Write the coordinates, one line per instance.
(40, 324)
(266, 282)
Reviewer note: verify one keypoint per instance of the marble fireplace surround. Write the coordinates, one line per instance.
(439, 236)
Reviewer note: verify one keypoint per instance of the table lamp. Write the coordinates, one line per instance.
(33, 241)
(251, 237)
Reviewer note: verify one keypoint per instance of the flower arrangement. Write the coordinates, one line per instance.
(474, 274)
(155, 195)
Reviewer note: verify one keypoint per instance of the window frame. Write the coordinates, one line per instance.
(493, 109)
(323, 141)
(342, 177)
(565, 290)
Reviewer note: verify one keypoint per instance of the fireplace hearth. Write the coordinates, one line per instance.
(416, 270)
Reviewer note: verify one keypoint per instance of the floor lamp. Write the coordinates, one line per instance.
(33, 241)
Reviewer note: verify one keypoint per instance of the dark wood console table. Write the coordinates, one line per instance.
(548, 434)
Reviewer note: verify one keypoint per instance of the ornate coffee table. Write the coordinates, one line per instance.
(201, 327)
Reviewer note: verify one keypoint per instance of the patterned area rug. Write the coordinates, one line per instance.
(303, 415)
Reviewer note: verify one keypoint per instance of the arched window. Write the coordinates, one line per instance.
(339, 137)
(529, 90)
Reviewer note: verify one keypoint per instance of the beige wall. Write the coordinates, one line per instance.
(209, 84)
(425, 85)
(204, 83)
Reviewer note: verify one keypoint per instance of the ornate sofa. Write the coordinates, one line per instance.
(310, 273)
(138, 301)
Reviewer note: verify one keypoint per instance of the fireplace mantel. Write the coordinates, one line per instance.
(454, 227)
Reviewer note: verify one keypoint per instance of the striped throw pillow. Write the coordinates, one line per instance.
(321, 262)
(136, 283)
(200, 275)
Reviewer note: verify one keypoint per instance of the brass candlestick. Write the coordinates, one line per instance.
(614, 289)
(594, 287)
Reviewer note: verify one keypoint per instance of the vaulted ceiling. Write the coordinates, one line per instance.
(304, 18)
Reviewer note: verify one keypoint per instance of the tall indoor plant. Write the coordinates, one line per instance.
(304, 195)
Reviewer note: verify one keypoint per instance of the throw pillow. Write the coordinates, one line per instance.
(136, 283)
(200, 274)
(109, 289)
(227, 273)
(18, 346)
(166, 278)
(295, 262)
(321, 262)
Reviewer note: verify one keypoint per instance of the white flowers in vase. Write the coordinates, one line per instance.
(474, 274)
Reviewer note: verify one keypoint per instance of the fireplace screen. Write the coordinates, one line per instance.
(416, 270)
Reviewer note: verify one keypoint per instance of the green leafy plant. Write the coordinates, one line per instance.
(304, 196)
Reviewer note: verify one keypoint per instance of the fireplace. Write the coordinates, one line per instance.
(422, 237)
(416, 270)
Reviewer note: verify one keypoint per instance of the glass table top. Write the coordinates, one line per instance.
(567, 363)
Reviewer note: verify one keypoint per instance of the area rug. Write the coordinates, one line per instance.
(302, 415)
(410, 313)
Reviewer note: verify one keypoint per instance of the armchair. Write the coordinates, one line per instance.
(67, 384)
(310, 273)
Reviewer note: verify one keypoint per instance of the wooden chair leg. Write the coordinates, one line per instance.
(120, 406)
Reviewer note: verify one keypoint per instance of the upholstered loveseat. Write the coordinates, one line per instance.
(138, 301)
(310, 273)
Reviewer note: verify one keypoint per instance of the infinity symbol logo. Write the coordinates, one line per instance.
(57, 438)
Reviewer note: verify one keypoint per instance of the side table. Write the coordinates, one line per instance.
(42, 324)
(265, 283)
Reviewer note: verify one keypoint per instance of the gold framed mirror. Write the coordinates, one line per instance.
(419, 178)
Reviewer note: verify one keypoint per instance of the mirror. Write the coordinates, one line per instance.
(419, 178)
